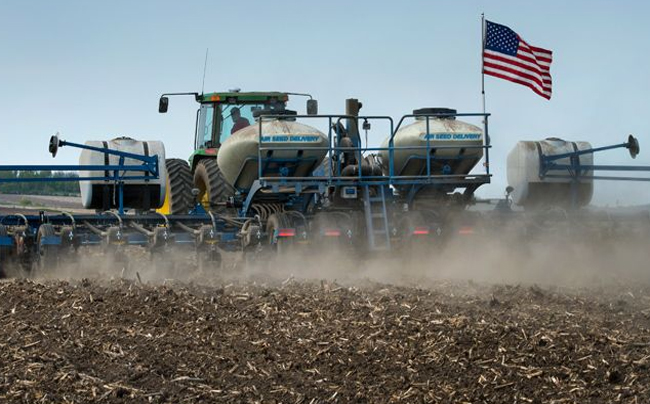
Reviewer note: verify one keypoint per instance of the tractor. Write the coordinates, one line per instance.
(220, 115)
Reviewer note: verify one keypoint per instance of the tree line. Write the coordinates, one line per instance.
(61, 188)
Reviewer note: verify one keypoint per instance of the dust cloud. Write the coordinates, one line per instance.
(541, 262)
(549, 260)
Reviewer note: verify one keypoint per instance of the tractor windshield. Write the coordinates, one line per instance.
(236, 117)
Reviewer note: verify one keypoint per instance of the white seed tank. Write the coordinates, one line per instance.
(238, 155)
(443, 132)
(138, 194)
(531, 191)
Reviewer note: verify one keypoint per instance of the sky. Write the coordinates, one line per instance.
(95, 70)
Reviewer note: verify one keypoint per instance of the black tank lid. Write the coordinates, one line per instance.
(435, 111)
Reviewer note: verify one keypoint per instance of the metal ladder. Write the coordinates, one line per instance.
(376, 219)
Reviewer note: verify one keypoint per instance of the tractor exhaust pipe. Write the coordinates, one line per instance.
(352, 107)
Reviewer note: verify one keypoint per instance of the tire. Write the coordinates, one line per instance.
(48, 255)
(68, 240)
(280, 245)
(412, 244)
(178, 198)
(340, 222)
(212, 186)
(23, 249)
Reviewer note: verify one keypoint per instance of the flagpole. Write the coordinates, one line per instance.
(482, 59)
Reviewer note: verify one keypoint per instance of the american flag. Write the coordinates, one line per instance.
(506, 55)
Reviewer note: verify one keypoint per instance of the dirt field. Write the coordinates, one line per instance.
(309, 342)
(557, 322)
(31, 204)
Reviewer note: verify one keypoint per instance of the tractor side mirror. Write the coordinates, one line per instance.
(53, 147)
(312, 107)
(633, 146)
(163, 105)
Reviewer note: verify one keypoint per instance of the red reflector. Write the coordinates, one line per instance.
(421, 231)
(332, 233)
(286, 232)
(465, 230)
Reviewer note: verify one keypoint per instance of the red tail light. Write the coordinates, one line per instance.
(286, 232)
(421, 231)
(466, 230)
(332, 232)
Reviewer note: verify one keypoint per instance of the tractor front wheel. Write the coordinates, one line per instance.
(178, 196)
(213, 188)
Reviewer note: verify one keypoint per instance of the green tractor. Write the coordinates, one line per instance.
(219, 116)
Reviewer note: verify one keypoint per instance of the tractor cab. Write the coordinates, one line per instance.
(222, 114)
